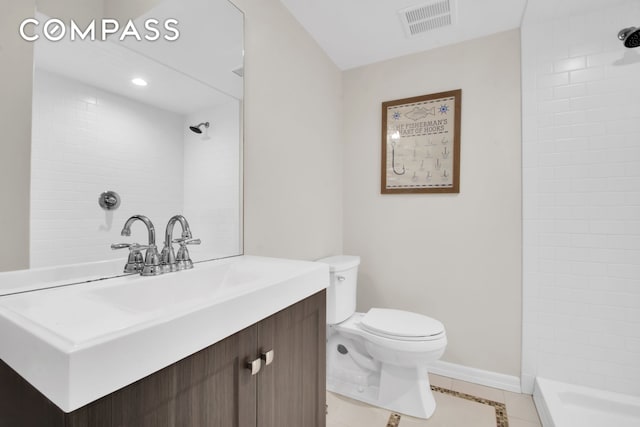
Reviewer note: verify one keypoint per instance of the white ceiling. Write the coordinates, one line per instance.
(210, 46)
(186, 76)
(360, 32)
(111, 67)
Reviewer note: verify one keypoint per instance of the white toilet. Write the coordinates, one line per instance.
(380, 357)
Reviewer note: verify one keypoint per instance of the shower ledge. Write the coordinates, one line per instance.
(78, 343)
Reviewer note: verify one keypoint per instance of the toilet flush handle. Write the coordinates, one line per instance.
(341, 278)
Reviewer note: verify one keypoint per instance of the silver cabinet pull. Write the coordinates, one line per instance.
(267, 357)
(341, 278)
(255, 366)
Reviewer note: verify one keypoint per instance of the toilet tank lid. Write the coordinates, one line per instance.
(341, 262)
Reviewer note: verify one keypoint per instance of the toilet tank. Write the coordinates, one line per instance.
(341, 293)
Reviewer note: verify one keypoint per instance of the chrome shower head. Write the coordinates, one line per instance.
(630, 36)
(196, 129)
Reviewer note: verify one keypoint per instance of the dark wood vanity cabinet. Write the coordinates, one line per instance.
(211, 388)
(292, 390)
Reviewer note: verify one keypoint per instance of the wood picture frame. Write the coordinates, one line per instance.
(421, 144)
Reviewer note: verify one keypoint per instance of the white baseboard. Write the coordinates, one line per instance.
(477, 376)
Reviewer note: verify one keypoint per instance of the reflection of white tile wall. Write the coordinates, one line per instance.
(581, 159)
(86, 141)
(211, 181)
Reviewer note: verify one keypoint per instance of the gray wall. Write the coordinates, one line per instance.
(455, 257)
(16, 65)
(293, 140)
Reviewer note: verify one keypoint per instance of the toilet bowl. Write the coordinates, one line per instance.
(380, 357)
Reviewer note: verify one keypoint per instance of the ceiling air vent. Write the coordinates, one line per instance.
(426, 17)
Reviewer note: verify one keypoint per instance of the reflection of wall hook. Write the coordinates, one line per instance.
(393, 160)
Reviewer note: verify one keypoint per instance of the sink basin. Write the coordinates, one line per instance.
(78, 343)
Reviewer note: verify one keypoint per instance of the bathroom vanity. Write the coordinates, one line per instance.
(172, 350)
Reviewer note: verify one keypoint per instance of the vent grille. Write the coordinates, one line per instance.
(429, 11)
(429, 25)
(427, 17)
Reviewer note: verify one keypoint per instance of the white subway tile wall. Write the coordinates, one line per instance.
(86, 141)
(581, 201)
(212, 181)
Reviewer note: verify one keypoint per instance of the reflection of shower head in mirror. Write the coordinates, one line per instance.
(630, 37)
(196, 129)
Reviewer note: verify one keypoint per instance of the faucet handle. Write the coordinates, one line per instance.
(130, 246)
(135, 262)
(183, 259)
(115, 246)
(186, 241)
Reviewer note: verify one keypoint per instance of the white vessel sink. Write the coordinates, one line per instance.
(78, 343)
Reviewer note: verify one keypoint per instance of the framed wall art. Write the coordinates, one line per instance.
(421, 144)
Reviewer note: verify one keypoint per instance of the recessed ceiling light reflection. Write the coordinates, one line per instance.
(139, 82)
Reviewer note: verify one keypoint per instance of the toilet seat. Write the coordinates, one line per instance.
(401, 325)
(353, 326)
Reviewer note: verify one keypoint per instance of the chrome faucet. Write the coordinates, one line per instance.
(168, 255)
(135, 262)
(151, 266)
(183, 259)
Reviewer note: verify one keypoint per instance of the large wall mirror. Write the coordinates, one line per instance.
(117, 115)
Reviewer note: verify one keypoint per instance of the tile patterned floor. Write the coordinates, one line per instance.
(459, 404)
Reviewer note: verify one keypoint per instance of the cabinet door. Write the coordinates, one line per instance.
(96, 414)
(22, 405)
(291, 390)
(211, 388)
